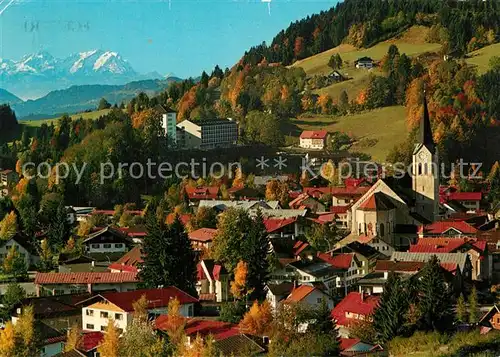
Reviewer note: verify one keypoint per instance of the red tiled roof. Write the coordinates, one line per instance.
(129, 262)
(354, 303)
(346, 343)
(342, 261)
(90, 340)
(274, 224)
(354, 182)
(350, 191)
(300, 293)
(339, 209)
(203, 234)
(134, 231)
(215, 273)
(299, 247)
(155, 297)
(217, 329)
(313, 134)
(447, 245)
(465, 196)
(441, 227)
(202, 193)
(85, 278)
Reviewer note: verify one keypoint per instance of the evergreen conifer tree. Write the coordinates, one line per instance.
(473, 308)
(169, 258)
(389, 317)
(461, 309)
(256, 249)
(434, 305)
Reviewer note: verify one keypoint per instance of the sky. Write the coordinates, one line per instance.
(179, 37)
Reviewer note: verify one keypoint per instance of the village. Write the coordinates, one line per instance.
(335, 247)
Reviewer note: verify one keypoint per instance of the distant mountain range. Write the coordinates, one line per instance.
(82, 97)
(7, 97)
(35, 75)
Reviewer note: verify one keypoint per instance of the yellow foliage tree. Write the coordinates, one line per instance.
(258, 320)
(330, 172)
(111, 343)
(141, 308)
(176, 322)
(238, 286)
(7, 340)
(494, 171)
(277, 191)
(198, 348)
(325, 103)
(22, 186)
(26, 339)
(74, 338)
(239, 178)
(8, 226)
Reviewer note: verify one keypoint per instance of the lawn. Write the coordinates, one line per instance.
(481, 57)
(87, 115)
(376, 131)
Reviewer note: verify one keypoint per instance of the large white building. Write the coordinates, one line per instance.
(208, 134)
(169, 124)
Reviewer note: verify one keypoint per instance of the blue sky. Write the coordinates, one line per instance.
(182, 37)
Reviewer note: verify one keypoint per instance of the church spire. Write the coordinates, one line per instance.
(425, 128)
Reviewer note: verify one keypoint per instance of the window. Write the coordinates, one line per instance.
(96, 246)
(103, 328)
(118, 245)
(107, 245)
(319, 300)
(104, 314)
(382, 229)
(89, 326)
(90, 312)
(118, 316)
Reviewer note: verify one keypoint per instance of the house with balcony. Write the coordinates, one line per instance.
(119, 306)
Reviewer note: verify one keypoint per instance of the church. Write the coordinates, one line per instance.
(392, 209)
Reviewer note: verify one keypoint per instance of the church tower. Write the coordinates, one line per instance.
(426, 170)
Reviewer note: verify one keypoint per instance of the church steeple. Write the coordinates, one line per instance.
(426, 130)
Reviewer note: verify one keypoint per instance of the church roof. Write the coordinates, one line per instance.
(377, 202)
(425, 134)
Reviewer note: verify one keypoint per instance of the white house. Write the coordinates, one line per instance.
(278, 292)
(209, 134)
(364, 62)
(310, 295)
(23, 247)
(107, 240)
(313, 139)
(119, 306)
(213, 281)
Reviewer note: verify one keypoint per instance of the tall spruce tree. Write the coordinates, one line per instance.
(389, 317)
(168, 258)
(255, 251)
(59, 228)
(435, 299)
(473, 306)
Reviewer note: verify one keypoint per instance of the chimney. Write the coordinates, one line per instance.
(294, 284)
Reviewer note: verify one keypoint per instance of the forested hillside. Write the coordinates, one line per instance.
(462, 25)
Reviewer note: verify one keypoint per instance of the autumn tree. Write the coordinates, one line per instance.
(12, 296)
(239, 285)
(7, 340)
(74, 338)
(175, 324)
(27, 344)
(14, 264)
(110, 346)
(277, 191)
(8, 226)
(257, 321)
(140, 339)
(299, 48)
(200, 347)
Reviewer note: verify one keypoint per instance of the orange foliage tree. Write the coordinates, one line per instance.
(238, 286)
(258, 320)
(298, 48)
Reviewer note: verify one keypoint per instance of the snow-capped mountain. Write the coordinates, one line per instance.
(36, 74)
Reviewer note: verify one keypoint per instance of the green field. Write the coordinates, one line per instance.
(412, 43)
(481, 57)
(376, 131)
(88, 115)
